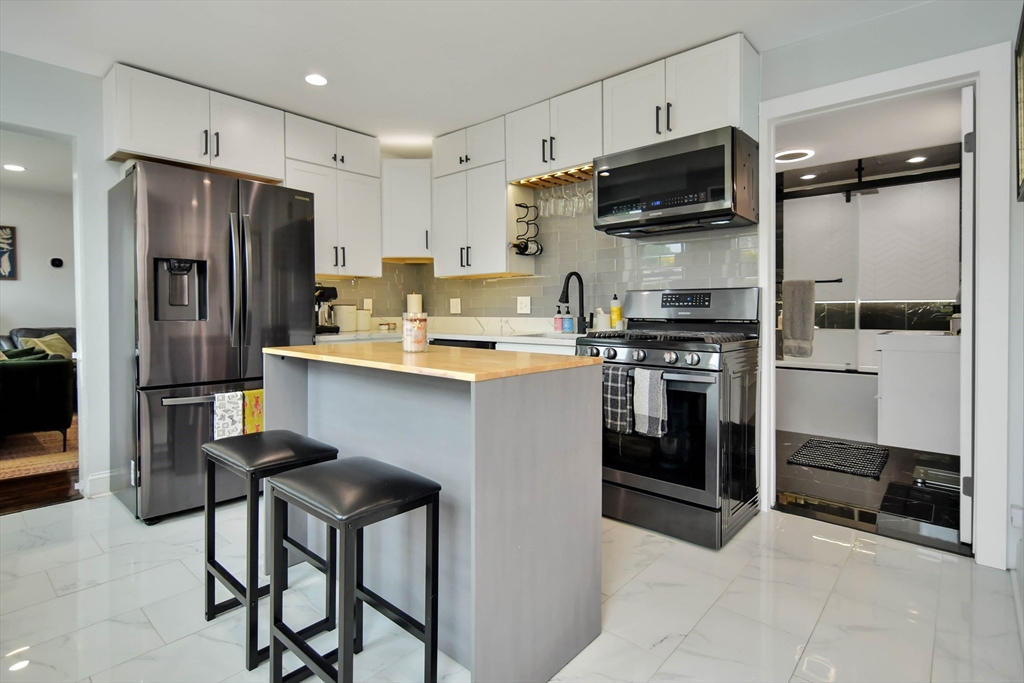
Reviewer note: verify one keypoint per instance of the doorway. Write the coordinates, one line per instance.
(39, 463)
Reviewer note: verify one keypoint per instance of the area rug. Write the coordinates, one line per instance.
(25, 455)
(838, 456)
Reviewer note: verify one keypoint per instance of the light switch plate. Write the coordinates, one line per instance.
(523, 304)
(368, 305)
(455, 306)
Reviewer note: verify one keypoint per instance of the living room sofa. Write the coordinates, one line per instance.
(37, 396)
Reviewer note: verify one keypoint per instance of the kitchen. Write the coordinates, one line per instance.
(489, 302)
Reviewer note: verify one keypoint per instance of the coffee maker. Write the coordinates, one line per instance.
(324, 317)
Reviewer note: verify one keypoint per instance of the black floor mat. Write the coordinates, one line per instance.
(826, 454)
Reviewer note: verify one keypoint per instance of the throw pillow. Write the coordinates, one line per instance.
(13, 354)
(51, 343)
(39, 355)
(2, 356)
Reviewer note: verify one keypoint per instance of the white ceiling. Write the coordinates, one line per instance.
(413, 69)
(47, 162)
(909, 122)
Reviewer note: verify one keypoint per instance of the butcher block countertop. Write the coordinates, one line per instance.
(467, 365)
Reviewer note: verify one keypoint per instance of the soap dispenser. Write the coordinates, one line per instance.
(568, 322)
(558, 318)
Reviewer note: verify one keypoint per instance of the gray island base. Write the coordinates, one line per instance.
(519, 460)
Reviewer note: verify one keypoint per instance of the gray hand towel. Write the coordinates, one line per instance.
(228, 414)
(617, 399)
(798, 318)
(650, 402)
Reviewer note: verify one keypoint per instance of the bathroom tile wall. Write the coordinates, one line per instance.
(609, 265)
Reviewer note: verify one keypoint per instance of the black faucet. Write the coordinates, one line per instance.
(581, 324)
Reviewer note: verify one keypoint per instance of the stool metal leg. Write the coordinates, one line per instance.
(358, 645)
(332, 577)
(430, 610)
(278, 569)
(346, 613)
(211, 540)
(252, 578)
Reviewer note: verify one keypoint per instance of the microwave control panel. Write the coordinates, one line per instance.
(686, 300)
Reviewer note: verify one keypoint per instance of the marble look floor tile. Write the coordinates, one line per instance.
(782, 592)
(988, 658)
(725, 563)
(409, 669)
(35, 560)
(657, 608)
(25, 591)
(860, 641)
(102, 509)
(626, 551)
(87, 651)
(888, 552)
(181, 528)
(896, 585)
(47, 620)
(32, 538)
(725, 646)
(760, 528)
(817, 543)
(610, 658)
(12, 521)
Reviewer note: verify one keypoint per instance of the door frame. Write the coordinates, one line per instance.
(990, 70)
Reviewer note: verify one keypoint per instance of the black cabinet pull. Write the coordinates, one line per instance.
(462, 257)
(551, 148)
(657, 120)
(343, 259)
(335, 257)
(335, 158)
(216, 144)
(426, 237)
(544, 151)
(342, 158)
(462, 160)
(467, 158)
(668, 117)
(468, 252)
(206, 142)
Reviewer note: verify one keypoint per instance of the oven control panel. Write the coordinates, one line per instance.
(686, 299)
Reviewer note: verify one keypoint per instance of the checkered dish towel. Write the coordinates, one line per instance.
(617, 399)
(650, 402)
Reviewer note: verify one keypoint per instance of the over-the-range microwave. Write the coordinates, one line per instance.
(698, 182)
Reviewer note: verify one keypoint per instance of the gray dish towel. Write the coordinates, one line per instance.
(650, 402)
(228, 414)
(617, 399)
(798, 318)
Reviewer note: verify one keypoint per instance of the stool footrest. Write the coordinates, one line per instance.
(228, 579)
(308, 555)
(403, 619)
(314, 662)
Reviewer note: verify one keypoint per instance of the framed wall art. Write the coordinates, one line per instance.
(8, 253)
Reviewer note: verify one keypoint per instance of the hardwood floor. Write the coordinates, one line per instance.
(27, 493)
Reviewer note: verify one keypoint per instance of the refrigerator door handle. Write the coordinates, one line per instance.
(236, 282)
(248, 278)
(187, 400)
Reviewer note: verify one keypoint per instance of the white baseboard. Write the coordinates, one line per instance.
(97, 484)
(1016, 579)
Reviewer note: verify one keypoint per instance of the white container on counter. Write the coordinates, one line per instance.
(362, 321)
(345, 317)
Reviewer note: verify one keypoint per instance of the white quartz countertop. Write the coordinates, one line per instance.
(543, 338)
(931, 342)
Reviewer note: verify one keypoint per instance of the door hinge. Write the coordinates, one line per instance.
(969, 142)
(133, 474)
(967, 486)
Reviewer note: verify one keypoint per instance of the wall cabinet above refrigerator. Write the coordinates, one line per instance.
(327, 145)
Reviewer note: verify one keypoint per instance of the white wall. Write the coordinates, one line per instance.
(42, 296)
(834, 404)
(60, 103)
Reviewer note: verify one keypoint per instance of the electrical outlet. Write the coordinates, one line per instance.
(368, 305)
(455, 306)
(523, 304)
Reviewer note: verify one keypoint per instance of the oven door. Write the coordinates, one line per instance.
(683, 464)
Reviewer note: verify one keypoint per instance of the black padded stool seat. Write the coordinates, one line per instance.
(353, 487)
(253, 457)
(349, 495)
(251, 452)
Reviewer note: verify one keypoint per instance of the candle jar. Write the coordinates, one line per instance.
(414, 332)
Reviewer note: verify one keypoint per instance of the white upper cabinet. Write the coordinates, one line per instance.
(247, 137)
(309, 140)
(358, 153)
(405, 208)
(527, 136)
(448, 211)
(323, 183)
(486, 220)
(576, 128)
(359, 225)
(634, 105)
(559, 133)
(711, 86)
(155, 116)
(471, 147)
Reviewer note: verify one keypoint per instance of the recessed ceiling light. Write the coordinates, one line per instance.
(14, 167)
(809, 176)
(916, 160)
(316, 79)
(792, 155)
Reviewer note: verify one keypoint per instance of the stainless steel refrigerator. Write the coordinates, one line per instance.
(206, 270)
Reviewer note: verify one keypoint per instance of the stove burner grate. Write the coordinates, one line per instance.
(648, 335)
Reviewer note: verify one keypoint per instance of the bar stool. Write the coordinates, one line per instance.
(255, 457)
(349, 495)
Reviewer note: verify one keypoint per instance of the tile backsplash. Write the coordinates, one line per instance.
(609, 265)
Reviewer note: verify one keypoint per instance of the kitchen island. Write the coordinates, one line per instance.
(514, 439)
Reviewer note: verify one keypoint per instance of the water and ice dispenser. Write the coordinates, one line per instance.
(181, 291)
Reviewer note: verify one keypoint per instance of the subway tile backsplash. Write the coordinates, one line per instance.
(609, 265)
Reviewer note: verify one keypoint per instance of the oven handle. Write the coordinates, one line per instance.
(700, 379)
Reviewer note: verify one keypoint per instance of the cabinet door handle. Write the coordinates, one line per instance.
(462, 257)
(468, 252)
(206, 142)
(668, 117)
(657, 120)
(462, 160)
(544, 151)
(551, 148)
(467, 158)
(335, 257)
(342, 158)
(335, 158)
(343, 259)
(426, 236)
(216, 144)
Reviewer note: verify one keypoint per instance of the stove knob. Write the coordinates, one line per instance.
(692, 359)
(610, 353)
(671, 357)
(639, 355)
(593, 351)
